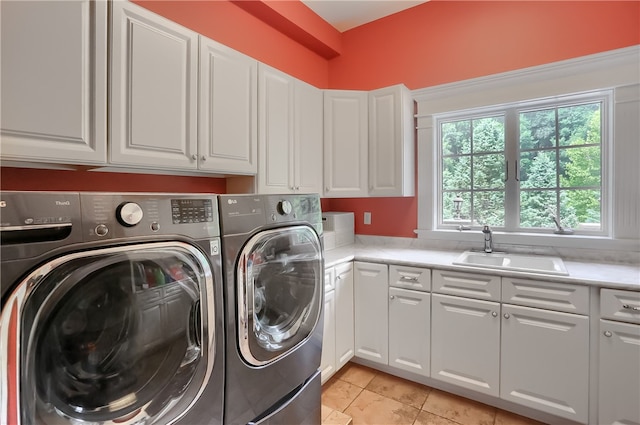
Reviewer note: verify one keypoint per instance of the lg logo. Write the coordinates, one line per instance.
(232, 201)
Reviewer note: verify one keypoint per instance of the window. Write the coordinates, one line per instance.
(528, 167)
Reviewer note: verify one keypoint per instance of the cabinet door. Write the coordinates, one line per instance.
(328, 359)
(345, 143)
(275, 130)
(308, 138)
(391, 146)
(465, 342)
(371, 314)
(619, 373)
(545, 361)
(54, 81)
(344, 314)
(409, 330)
(228, 121)
(154, 71)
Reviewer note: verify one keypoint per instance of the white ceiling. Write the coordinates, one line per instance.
(347, 14)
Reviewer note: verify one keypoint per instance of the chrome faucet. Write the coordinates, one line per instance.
(488, 239)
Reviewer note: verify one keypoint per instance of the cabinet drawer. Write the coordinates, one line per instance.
(329, 279)
(623, 306)
(470, 285)
(553, 296)
(415, 278)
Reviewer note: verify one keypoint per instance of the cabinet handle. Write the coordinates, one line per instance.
(607, 334)
(392, 296)
(326, 189)
(494, 314)
(507, 315)
(204, 158)
(628, 307)
(194, 157)
(409, 278)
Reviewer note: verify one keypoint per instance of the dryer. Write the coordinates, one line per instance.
(111, 309)
(274, 271)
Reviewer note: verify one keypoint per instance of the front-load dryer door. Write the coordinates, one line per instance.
(279, 283)
(117, 335)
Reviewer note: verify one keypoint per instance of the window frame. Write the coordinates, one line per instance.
(512, 189)
(615, 70)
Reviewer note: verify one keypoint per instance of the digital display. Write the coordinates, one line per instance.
(191, 211)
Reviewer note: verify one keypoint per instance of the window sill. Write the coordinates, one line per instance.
(533, 240)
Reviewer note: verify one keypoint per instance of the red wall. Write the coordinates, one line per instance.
(445, 41)
(434, 43)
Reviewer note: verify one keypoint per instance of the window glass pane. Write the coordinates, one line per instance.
(488, 171)
(538, 129)
(488, 208)
(579, 125)
(456, 173)
(535, 207)
(456, 138)
(538, 169)
(581, 209)
(488, 134)
(580, 167)
(449, 212)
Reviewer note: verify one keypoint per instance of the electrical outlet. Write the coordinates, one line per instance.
(367, 217)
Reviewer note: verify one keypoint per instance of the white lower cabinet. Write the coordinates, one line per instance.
(328, 359)
(337, 339)
(409, 341)
(619, 363)
(465, 342)
(545, 361)
(344, 314)
(531, 356)
(371, 311)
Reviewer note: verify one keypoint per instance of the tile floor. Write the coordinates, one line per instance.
(371, 397)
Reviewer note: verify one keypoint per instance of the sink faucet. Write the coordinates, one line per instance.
(488, 239)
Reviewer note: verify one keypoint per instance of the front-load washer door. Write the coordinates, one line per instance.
(279, 283)
(117, 335)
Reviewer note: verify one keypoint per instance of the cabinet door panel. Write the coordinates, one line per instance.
(275, 131)
(308, 141)
(328, 359)
(545, 361)
(409, 330)
(391, 147)
(465, 342)
(54, 81)
(154, 90)
(344, 314)
(371, 311)
(345, 143)
(228, 123)
(619, 373)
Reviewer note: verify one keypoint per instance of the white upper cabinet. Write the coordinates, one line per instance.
(54, 81)
(345, 143)
(227, 116)
(369, 143)
(289, 134)
(391, 142)
(308, 129)
(154, 71)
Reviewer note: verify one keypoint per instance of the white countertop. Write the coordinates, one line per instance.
(605, 275)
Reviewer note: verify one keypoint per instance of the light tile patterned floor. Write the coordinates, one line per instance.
(371, 397)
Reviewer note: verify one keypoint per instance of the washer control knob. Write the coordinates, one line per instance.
(129, 214)
(284, 207)
(101, 230)
(155, 226)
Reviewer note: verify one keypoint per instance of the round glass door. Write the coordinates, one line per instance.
(116, 336)
(280, 283)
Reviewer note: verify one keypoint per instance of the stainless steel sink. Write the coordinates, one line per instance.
(516, 262)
